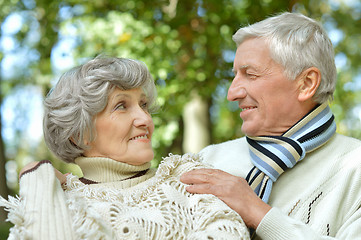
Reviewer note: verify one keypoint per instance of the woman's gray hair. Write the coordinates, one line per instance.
(297, 43)
(82, 93)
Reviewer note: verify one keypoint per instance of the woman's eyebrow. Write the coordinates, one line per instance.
(127, 96)
(122, 95)
(119, 96)
(114, 99)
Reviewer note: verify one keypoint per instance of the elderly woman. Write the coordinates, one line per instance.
(98, 117)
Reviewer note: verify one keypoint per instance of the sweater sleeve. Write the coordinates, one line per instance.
(276, 225)
(45, 212)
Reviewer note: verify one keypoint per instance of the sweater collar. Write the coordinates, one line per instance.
(99, 169)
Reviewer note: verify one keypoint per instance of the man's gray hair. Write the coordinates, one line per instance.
(82, 93)
(297, 43)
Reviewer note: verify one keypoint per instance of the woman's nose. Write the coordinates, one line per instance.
(236, 91)
(142, 118)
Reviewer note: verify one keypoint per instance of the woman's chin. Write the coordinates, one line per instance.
(143, 158)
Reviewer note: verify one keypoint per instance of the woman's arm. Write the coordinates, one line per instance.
(32, 166)
(43, 203)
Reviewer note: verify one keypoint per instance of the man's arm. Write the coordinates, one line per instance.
(278, 226)
(269, 223)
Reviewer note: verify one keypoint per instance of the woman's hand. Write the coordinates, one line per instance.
(232, 190)
(34, 165)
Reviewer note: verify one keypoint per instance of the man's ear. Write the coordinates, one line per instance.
(309, 81)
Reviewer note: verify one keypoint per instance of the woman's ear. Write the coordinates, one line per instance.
(86, 140)
(72, 140)
(309, 81)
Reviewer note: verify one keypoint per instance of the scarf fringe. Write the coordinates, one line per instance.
(16, 212)
(87, 223)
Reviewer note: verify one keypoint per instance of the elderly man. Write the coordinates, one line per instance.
(292, 177)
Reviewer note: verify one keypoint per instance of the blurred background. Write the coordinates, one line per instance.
(187, 47)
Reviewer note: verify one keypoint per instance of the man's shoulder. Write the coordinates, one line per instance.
(344, 144)
(231, 144)
(339, 152)
(349, 147)
(231, 156)
(347, 140)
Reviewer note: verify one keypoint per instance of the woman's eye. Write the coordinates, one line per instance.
(120, 106)
(144, 105)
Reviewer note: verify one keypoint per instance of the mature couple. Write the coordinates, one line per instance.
(291, 177)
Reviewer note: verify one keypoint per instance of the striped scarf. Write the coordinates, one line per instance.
(272, 155)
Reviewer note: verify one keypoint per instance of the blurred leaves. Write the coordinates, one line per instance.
(186, 45)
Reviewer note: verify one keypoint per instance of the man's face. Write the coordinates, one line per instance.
(268, 100)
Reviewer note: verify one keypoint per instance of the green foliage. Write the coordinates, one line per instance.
(186, 45)
(4, 230)
(182, 45)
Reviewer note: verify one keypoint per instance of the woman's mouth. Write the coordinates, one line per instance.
(139, 137)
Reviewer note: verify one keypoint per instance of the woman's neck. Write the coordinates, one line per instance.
(101, 170)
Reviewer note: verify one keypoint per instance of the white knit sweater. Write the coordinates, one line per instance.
(120, 205)
(320, 198)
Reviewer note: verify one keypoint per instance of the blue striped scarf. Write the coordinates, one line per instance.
(272, 155)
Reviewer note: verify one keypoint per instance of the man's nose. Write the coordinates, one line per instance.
(236, 91)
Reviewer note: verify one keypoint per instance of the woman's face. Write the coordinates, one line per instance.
(124, 129)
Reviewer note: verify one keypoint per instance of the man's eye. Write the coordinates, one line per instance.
(250, 75)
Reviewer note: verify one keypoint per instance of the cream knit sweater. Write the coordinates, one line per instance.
(124, 202)
(320, 198)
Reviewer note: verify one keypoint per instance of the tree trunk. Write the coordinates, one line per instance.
(196, 121)
(4, 191)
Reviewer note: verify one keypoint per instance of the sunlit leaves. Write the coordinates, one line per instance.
(187, 46)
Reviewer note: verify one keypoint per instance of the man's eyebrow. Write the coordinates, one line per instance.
(241, 67)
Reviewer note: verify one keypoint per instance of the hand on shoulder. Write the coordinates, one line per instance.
(232, 190)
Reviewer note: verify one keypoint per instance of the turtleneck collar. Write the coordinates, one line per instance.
(99, 169)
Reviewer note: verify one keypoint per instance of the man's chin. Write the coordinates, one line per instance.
(249, 130)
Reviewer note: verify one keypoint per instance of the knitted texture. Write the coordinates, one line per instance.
(320, 198)
(161, 208)
(157, 208)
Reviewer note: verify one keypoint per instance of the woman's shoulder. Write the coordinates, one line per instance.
(176, 165)
(170, 169)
